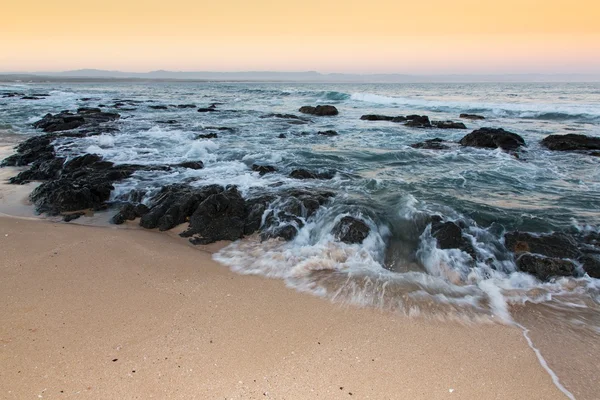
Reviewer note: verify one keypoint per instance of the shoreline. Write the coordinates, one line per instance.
(190, 327)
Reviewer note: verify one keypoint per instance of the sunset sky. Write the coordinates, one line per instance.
(423, 37)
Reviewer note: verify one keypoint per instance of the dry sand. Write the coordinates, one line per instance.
(110, 313)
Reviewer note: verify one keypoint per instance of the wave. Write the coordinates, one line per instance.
(541, 111)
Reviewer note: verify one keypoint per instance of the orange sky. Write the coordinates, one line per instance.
(425, 36)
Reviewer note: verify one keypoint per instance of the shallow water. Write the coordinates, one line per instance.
(378, 176)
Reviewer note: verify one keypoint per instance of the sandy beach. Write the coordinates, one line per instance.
(113, 313)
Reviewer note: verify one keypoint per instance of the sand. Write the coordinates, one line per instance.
(107, 313)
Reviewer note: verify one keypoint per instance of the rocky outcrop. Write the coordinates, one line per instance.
(129, 212)
(472, 116)
(65, 120)
(545, 268)
(320, 111)
(418, 121)
(431, 144)
(449, 125)
(327, 133)
(557, 245)
(37, 148)
(306, 174)
(263, 169)
(492, 138)
(376, 117)
(571, 142)
(350, 230)
(450, 236)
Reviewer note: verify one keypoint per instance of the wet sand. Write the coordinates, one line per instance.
(101, 313)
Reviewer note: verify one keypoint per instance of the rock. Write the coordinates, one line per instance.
(281, 136)
(283, 116)
(30, 98)
(351, 230)
(129, 212)
(65, 120)
(160, 107)
(375, 117)
(175, 204)
(492, 138)
(221, 216)
(591, 265)
(325, 110)
(168, 121)
(449, 236)
(328, 133)
(286, 232)
(418, 121)
(207, 136)
(449, 125)
(73, 216)
(431, 144)
(220, 128)
(186, 106)
(263, 169)
(571, 142)
(305, 174)
(545, 268)
(190, 164)
(211, 108)
(256, 209)
(555, 245)
(471, 116)
(37, 148)
(40, 171)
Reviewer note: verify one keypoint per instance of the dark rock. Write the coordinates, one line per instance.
(449, 236)
(40, 171)
(571, 142)
(160, 107)
(73, 216)
(128, 212)
(221, 216)
(256, 209)
(168, 122)
(286, 232)
(449, 125)
(328, 133)
(281, 136)
(555, 245)
(190, 164)
(591, 265)
(283, 116)
(431, 144)
(492, 138)
(305, 174)
(545, 268)
(88, 110)
(418, 121)
(37, 148)
(375, 117)
(66, 121)
(186, 106)
(30, 98)
(207, 136)
(220, 128)
(472, 116)
(263, 169)
(351, 230)
(325, 110)
(211, 108)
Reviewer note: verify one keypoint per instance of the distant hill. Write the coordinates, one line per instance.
(302, 76)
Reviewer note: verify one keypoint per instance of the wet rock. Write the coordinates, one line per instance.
(175, 204)
(167, 122)
(556, 245)
(281, 136)
(306, 174)
(545, 268)
(492, 138)
(207, 136)
(73, 216)
(449, 125)
(283, 116)
(418, 121)
(129, 212)
(211, 108)
(159, 107)
(186, 106)
(320, 110)
(220, 128)
(351, 230)
(263, 169)
(431, 144)
(591, 265)
(256, 208)
(37, 148)
(221, 216)
(30, 98)
(571, 142)
(472, 116)
(375, 117)
(65, 120)
(449, 236)
(40, 171)
(190, 164)
(328, 133)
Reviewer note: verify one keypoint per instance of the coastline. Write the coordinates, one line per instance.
(78, 297)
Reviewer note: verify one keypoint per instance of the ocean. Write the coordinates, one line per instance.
(377, 177)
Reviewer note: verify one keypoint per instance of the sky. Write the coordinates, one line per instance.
(349, 36)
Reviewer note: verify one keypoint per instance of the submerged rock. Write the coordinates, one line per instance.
(472, 116)
(375, 117)
(351, 230)
(449, 125)
(545, 268)
(263, 169)
(306, 174)
(207, 136)
(571, 142)
(449, 236)
(211, 108)
(324, 110)
(431, 144)
(159, 107)
(492, 138)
